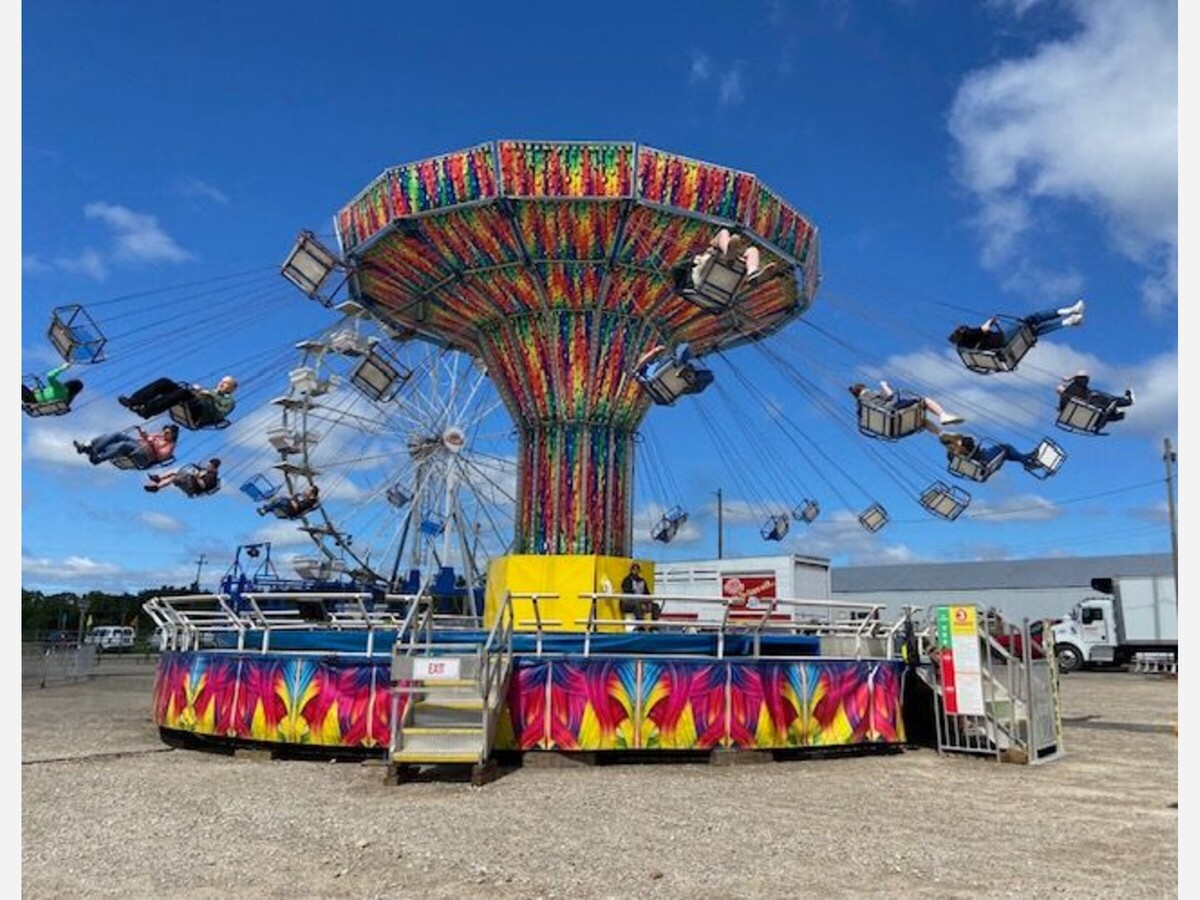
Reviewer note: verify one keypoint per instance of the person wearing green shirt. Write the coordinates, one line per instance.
(53, 391)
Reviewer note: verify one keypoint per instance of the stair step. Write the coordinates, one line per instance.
(404, 756)
(440, 743)
(444, 729)
(435, 684)
(449, 704)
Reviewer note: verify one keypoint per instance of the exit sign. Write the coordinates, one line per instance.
(434, 669)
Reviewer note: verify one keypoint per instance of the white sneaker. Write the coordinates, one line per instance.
(1073, 319)
(1074, 309)
(951, 419)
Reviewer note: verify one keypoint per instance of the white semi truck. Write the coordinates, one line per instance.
(1135, 615)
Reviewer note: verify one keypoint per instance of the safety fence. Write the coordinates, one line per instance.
(45, 664)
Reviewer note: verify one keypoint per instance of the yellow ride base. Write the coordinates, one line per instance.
(558, 581)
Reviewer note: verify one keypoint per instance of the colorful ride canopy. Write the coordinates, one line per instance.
(551, 263)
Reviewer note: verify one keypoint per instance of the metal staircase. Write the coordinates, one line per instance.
(447, 694)
(1021, 720)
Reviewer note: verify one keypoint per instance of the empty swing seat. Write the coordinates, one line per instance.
(974, 469)
(668, 525)
(674, 380)
(398, 497)
(1081, 417)
(259, 489)
(718, 284)
(945, 501)
(1001, 359)
(75, 336)
(873, 517)
(1049, 459)
(892, 419)
(807, 511)
(775, 528)
(379, 376)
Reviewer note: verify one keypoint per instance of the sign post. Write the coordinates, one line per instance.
(962, 673)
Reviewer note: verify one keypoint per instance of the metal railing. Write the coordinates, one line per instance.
(193, 622)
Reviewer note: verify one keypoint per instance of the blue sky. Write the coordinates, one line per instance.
(959, 159)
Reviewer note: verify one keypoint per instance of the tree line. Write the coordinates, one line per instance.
(43, 613)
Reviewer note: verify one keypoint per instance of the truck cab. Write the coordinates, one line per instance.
(1087, 635)
(1134, 615)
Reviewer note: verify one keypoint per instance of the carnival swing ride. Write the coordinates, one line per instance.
(508, 316)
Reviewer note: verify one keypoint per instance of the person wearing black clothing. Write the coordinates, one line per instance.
(634, 583)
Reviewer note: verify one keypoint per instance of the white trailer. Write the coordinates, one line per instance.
(1136, 615)
(750, 582)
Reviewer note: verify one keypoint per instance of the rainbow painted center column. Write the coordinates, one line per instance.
(551, 263)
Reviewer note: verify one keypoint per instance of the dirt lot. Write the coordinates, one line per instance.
(108, 810)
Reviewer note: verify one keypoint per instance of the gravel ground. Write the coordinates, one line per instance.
(107, 810)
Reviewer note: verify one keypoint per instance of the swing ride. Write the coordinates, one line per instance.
(507, 319)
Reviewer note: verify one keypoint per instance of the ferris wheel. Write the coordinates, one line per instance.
(411, 450)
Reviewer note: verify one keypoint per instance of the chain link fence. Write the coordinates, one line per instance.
(45, 663)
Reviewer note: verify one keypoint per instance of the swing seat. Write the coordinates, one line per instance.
(873, 517)
(890, 420)
(775, 528)
(945, 501)
(1049, 459)
(1080, 417)
(1001, 359)
(972, 469)
(379, 376)
(194, 416)
(807, 511)
(53, 408)
(183, 483)
(668, 525)
(259, 489)
(717, 285)
(675, 379)
(75, 336)
(128, 463)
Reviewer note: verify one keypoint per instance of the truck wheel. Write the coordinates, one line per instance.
(1069, 659)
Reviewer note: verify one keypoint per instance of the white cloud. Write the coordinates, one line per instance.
(730, 90)
(138, 236)
(700, 68)
(1089, 120)
(1025, 508)
(195, 188)
(88, 263)
(160, 522)
(70, 569)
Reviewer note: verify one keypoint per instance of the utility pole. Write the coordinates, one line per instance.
(720, 526)
(199, 565)
(1169, 459)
